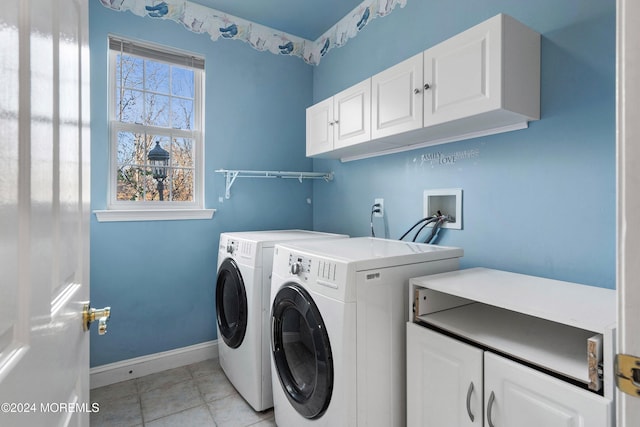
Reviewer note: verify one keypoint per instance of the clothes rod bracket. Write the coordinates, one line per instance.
(231, 175)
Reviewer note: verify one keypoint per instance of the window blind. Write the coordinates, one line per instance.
(158, 54)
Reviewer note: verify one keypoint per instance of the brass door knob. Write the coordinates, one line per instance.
(90, 315)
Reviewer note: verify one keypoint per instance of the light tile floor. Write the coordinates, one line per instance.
(197, 395)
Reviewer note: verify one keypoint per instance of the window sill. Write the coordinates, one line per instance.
(153, 215)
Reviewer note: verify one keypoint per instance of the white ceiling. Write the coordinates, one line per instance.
(304, 18)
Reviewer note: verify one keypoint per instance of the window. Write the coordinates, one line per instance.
(156, 134)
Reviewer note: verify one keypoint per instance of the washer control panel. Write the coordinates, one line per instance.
(299, 266)
(232, 246)
(317, 273)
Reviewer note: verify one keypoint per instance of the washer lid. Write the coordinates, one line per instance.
(370, 252)
(271, 237)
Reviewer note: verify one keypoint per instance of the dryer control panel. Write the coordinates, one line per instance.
(237, 248)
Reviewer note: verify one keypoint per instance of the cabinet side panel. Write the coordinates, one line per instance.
(521, 73)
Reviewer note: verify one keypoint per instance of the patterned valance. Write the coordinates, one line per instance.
(202, 19)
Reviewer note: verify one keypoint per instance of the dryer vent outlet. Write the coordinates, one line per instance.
(448, 201)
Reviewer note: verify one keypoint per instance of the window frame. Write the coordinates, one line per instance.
(158, 209)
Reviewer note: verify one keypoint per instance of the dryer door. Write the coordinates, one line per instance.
(231, 303)
(301, 351)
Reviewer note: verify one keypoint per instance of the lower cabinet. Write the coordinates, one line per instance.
(451, 383)
(444, 380)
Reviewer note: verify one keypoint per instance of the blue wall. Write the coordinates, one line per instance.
(538, 201)
(159, 276)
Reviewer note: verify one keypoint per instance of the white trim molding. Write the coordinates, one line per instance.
(115, 215)
(202, 19)
(140, 366)
(628, 198)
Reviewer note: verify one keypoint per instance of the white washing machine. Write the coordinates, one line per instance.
(338, 315)
(242, 307)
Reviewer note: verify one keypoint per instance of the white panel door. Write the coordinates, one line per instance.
(444, 380)
(352, 110)
(628, 144)
(396, 98)
(320, 127)
(44, 212)
(516, 395)
(464, 74)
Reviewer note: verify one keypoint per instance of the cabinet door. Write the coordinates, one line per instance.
(320, 127)
(352, 112)
(396, 98)
(464, 74)
(444, 380)
(516, 395)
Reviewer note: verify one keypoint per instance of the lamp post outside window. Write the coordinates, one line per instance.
(159, 161)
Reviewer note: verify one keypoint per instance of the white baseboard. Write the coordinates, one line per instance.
(152, 363)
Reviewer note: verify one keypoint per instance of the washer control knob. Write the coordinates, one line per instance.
(230, 248)
(295, 268)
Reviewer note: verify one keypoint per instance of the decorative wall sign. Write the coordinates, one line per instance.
(202, 19)
(440, 158)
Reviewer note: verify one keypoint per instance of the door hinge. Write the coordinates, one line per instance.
(627, 370)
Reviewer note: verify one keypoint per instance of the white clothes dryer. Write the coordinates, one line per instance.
(242, 306)
(338, 315)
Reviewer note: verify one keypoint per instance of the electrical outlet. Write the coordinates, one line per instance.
(379, 202)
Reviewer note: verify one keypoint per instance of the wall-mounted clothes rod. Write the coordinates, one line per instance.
(231, 175)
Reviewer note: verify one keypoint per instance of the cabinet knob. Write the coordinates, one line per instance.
(332, 123)
(416, 91)
(426, 86)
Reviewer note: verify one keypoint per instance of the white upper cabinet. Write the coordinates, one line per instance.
(463, 75)
(340, 121)
(483, 81)
(320, 128)
(352, 111)
(493, 67)
(397, 98)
